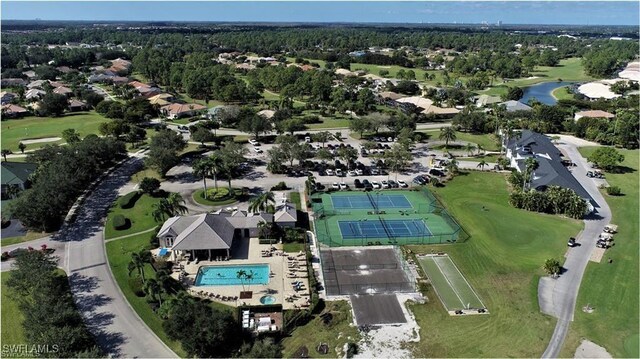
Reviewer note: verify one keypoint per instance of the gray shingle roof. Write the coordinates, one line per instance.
(515, 106)
(17, 172)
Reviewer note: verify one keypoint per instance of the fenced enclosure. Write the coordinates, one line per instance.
(389, 217)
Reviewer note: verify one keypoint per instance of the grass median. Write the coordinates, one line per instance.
(140, 217)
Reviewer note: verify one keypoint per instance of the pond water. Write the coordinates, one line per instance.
(542, 92)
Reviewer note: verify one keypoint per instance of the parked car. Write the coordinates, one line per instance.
(376, 185)
(335, 185)
(402, 184)
(365, 182)
(357, 183)
(339, 172)
(359, 172)
(385, 184)
(329, 172)
(307, 139)
(254, 142)
(319, 186)
(390, 139)
(590, 174)
(572, 242)
(343, 185)
(393, 184)
(436, 172)
(352, 173)
(419, 180)
(257, 149)
(375, 171)
(368, 187)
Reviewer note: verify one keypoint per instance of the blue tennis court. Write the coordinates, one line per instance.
(371, 201)
(378, 228)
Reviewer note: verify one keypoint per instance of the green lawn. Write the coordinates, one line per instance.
(612, 289)
(14, 131)
(12, 331)
(293, 247)
(322, 63)
(140, 216)
(487, 158)
(329, 122)
(294, 197)
(30, 236)
(502, 261)
(336, 334)
(147, 172)
(211, 103)
(119, 256)
(562, 93)
(197, 196)
(488, 141)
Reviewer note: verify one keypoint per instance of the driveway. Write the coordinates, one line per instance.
(109, 316)
(557, 297)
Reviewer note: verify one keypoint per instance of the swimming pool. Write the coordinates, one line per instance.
(229, 275)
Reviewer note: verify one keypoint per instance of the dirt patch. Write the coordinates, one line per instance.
(589, 349)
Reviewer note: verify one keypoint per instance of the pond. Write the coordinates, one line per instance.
(542, 92)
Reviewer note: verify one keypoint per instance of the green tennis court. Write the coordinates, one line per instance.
(386, 217)
(452, 288)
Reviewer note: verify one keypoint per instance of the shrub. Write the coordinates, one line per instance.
(281, 186)
(5, 256)
(614, 191)
(219, 194)
(119, 222)
(135, 284)
(129, 200)
(149, 185)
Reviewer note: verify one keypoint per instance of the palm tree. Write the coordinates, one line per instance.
(261, 202)
(241, 274)
(264, 229)
(480, 149)
(176, 203)
(138, 261)
(4, 153)
(452, 167)
(531, 164)
(249, 277)
(161, 210)
(22, 147)
(470, 147)
(154, 289)
(447, 134)
(481, 165)
(202, 168)
(164, 280)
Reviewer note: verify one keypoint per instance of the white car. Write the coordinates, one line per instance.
(330, 172)
(254, 142)
(258, 150)
(307, 139)
(352, 173)
(402, 184)
(375, 184)
(343, 185)
(385, 184)
(335, 185)
(375, 171)
(359, 172)
(339, 172)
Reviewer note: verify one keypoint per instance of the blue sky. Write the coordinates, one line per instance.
(509, 12)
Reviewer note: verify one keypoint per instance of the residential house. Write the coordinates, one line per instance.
(209, 235)
(30, 74)
(486, 100)
(593, 114)
(16, 174)
(63, 90)
(162, 99)
(10, 110)
(34, 94)
(37, 84)
(513, 106)
(77, 105)
(267, 114)
(551, 171)
(177, 110)
(7, 97)
(12, 82)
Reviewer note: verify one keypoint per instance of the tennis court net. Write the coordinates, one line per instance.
(386, 229)
(373, 204)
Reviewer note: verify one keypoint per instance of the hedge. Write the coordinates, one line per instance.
(218, 194)
(119, 222)
(129, 200)
(135, 284)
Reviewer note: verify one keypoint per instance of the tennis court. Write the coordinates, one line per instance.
(452, 288)
(371, 201)
(380, 228)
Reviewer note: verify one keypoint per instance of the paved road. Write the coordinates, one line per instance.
(107, 313)
(562, 293)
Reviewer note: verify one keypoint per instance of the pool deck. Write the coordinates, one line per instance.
(285, 268)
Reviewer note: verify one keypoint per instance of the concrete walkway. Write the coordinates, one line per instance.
(557, 297)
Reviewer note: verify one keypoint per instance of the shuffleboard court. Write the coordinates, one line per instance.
(380, 228)
(452, 288)
(371, 201)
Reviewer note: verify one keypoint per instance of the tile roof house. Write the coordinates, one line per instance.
(593, 114)
(34, 94)
(176, 110)
(16, 174)
(209, 235)
(63, 90)
(162, 99)
(513, 106)
(77, 105)
(551, 171)
(10, 110)
(37, 84)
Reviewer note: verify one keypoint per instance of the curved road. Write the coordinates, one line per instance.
(119, 330)
(560, 294)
